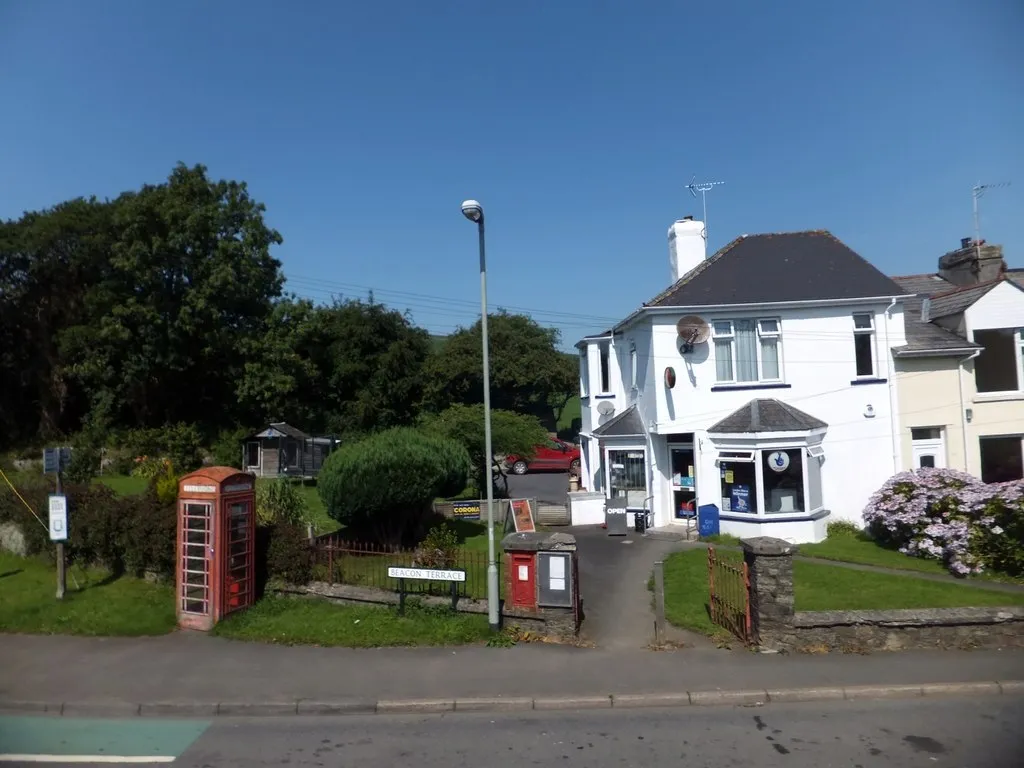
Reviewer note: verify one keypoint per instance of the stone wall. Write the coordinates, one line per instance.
(777, 625)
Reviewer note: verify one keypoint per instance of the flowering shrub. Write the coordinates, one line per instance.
(950, 516)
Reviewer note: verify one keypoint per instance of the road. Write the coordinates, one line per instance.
(543, 486)
(978, 732)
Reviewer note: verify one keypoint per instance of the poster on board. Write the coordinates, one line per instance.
(521, 516)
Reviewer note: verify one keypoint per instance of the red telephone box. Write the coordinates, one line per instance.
(216, 545)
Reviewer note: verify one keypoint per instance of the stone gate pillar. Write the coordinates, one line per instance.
(772, 604)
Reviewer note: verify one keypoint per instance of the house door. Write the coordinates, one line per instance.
(929, 447)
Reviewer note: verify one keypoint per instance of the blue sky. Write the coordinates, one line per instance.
(362, 126)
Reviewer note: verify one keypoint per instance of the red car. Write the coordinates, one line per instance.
(554, 455)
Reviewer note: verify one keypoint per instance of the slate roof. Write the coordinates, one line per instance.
(793, 266)
(626, 424)
(1016, 276)
(767, 415)
(285, 429)
(957, 300)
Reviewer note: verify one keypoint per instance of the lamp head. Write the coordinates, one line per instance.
(472, 210)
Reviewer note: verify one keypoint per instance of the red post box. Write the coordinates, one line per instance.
(522, 580)
(216, 568)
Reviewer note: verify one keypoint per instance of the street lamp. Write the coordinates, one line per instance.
(473, 211)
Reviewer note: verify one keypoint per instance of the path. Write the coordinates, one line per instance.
(614, 576)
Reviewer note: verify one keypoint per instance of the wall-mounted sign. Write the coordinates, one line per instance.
(778, 461)
(670, 377)
(200, 489)
(427, 574)
(466, 510)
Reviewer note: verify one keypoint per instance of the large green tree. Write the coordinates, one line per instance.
(529, 374)
(191, 279)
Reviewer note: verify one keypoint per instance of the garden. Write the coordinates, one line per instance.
(376, 493)
(929, 522)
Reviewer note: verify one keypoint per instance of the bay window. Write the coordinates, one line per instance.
(771, 480)
(747, 350)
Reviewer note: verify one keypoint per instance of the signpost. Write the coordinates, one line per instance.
(455, 576)
(54, 460)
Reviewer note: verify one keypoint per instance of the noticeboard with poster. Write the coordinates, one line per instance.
(519, 517)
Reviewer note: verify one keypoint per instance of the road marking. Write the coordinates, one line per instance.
(86, 759)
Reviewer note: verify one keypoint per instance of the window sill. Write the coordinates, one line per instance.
(867, 380)
(774, 517)
(997, 397)
(752, 385)
(604, 396)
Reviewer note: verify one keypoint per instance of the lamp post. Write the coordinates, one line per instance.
(473, 211)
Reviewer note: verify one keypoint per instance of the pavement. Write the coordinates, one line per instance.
(907, 734)
(185, 673)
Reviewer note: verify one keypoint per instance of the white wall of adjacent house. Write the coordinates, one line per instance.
(929, 404)
(807, 357)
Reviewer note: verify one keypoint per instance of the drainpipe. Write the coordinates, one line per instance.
(894, 428)
(960, 384)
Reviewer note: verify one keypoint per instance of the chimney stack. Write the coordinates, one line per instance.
(686, 246)
(972, 263)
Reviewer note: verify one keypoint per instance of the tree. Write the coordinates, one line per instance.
(384, 484)
(190, 279)
(511, 433)
(528, 372)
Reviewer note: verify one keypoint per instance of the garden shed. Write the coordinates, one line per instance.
(282, 450)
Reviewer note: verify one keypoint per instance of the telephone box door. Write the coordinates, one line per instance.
(239, 566)
(194, 600)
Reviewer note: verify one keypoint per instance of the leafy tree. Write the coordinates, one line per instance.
(510, 433)
(528, 372)
(384, 484)
(190, 278)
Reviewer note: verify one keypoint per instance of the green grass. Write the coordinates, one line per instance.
(571, 412)
(123, 485)
(318, 622)
(98, 605)
(860, 548)
(820, 587)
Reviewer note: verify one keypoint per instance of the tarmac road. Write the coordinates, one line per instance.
(975, 732)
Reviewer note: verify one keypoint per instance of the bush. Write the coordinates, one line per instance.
(227, 449)
(950, 516)
(150, 532)
(440, 548)
(844, 528)
(279, 501)
(180, 443)
(384, 484)
(289, 556)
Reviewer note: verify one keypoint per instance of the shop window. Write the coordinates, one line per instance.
(739, 483)
(783, 475)
(627, 476)
(789, 481)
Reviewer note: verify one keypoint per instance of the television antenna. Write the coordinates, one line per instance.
(976, 192)
(703, 187)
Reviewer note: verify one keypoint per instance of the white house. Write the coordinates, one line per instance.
(760, 381)
(960, 378)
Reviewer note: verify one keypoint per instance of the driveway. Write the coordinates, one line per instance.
(614, 573)
(550, 487)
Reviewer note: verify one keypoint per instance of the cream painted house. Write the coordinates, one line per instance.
(960, 378)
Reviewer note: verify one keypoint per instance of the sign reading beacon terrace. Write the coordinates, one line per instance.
(429, 574)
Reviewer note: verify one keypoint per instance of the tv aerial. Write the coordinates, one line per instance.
(703, 187)
(976, 192)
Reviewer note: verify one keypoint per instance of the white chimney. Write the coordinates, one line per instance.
(686, 246)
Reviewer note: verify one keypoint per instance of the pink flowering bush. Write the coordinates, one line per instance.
(953, 517)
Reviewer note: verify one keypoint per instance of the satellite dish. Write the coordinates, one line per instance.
(605, 408)
(692, 330)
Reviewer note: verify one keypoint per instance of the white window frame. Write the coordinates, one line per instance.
(632, 366)
(604, 367)
(755, 456)
(1018, 351)
(869, 331)
(585, 372)
(762, 333)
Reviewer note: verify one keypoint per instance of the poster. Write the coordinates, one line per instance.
(522, 516)
(740, 498)
(466, 510)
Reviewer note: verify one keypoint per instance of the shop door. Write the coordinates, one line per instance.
(238, 570)
(196, 552)
(684, 482)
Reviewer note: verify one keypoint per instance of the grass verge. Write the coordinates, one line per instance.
(99, 605)
(820, 587)
(849, 547)
(319, 622)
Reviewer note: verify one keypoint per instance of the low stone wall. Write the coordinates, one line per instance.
(553, 623)
(777, 625)
(960, 628)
